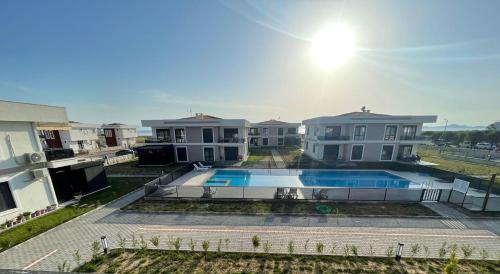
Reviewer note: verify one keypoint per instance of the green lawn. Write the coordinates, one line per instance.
(118, 187)
(259, 154)
(291, 207)
(132, 168)
(163, 261)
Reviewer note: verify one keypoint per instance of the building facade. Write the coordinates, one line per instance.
(364, 136)
(117, 134)
(274, 133)
(25, 184)
(202, 137)
(80, 137)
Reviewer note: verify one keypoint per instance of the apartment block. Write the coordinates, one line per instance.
(365, 136)
(274, 133)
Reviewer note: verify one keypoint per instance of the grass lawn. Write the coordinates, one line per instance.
(303, 207)
(431, 154)
(118, 187)
(132, 168)
(259, 158)
(163, 261)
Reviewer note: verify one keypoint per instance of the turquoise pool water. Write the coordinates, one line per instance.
(307, 178)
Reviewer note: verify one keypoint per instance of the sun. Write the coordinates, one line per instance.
(333, 46)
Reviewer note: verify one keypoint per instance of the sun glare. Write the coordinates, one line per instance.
(333, 46)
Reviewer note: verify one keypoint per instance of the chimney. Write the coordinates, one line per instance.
(199, 116)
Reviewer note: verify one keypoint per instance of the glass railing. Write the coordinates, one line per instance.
(335, 138)
(413, 137)
(231, 140)
(158, 140)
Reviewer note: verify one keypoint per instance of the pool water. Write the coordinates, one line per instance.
(307, 178)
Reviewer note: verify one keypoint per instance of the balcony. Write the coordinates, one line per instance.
(158, 140)
(232, 140)
(58, 153)
(333, 138)
(253, 133)
(413, 138)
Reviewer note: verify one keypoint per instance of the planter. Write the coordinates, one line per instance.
(4, 226)
(27, 215)
(10, 223)
(37, 213)
(33, 215)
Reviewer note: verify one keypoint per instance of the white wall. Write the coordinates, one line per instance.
(23, 139)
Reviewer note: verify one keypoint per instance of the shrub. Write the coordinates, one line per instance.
(155, 241)
(227, 242)
(346, 250)
(414, 250)
(305, 245)
(219, 246)
(371, 251)
(77, 257)
(320, 247)
(452, 266)
(290, 247)
(121, 241)
(467, 251)
(255, 242)
(205, 245)
(177, 243)
(389, 252)
(64, 267)
(354, 250)
(267, 247)
(192, 244)
(442, 250)
(484, 254)
(88, 267)
(143, 244)
(134, 240)
(5, 244)
(427, 251)
(334, 246)
(94, 249)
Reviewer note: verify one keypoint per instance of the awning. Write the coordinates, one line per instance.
(53, 126)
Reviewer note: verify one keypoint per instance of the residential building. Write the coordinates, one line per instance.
(202, 137)
(80, 137)
(364, 136)
(274, 133)
(117, 134)
(25, 184)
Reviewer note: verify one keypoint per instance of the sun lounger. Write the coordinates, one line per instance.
(197, 168)
(203, 166)
(209, 192)
(280, 193)
(292, 193)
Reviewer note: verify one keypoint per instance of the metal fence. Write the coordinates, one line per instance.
(158, 184)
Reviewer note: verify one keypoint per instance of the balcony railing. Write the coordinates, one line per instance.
(231, 140)
(333, 138)
(58, 153)
(253, 133)
(158, 140)
(410, 137)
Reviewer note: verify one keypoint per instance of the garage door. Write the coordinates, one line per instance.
(231, 153)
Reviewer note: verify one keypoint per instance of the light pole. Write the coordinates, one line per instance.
(399, 252)
(104, 243)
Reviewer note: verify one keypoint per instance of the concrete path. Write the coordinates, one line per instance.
(278, 160)
(445, 210)
(371, 235)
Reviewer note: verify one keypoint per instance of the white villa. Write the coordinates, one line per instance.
(274, 133)
(81, 137)
(117, 134)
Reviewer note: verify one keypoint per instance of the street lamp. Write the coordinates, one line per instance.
(399, 252)
(104, 243)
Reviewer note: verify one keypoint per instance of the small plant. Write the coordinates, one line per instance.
(452, 266)
(255, 242)
(442, 250)
(121, 241)
(134, 241)
(227, 242)
(64, 267)
(467, 250)
(143, 244)
(389, 252)
(290, 247)
(205, 245)
(354, 250)
(320, 247)
(483, 254)
(371, 251)
(453, 248)
(334, 247)
(5, 244)
(155, 241)
(427, 251)
(267, 247)
(77, 257)
(346, 250)
(305, 245)
(414, 250)
(192, 244)
(219, 246)
(94, 248)
(177, 243)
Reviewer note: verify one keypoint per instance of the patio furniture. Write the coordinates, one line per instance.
(280, 193)
(197, 168)
(320, 194)
(292, 193)
(209, 192)
(203, 166)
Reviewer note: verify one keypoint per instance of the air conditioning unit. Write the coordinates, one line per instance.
(40, 173)
(36, 157)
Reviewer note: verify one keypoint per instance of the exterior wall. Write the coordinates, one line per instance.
(272, 135)
(88, 136)
(24, 139)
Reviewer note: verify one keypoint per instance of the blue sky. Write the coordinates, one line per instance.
(123, 61)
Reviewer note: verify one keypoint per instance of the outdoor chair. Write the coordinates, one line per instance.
(203, 166)
(280, 193)
(197, 168)
(292, 193)
(321, 194)
(209, 192)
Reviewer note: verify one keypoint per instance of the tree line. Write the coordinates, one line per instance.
(457, 137)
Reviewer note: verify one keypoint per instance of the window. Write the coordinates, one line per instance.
(390, 133)
(332, 131)
(307, 130)
(359, 133)
(280, 131)
(387, 151)
(180, 135)
(80, 144)
(107, 132)
(230, 133)
(307, 145)
(163, 134)
(265, 141)
(181, 154)
(208, 135)
(265, 131)
(208, 154)
(404, 152)
(409, 133)
(292, 130)
(316, 130)
(254, 141)
(253, 131)
(357, 153)
(49, 134)
(280, 141)
(6, 198)
(314, 148)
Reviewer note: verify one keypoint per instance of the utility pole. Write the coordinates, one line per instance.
(442, 134)
(487, 197)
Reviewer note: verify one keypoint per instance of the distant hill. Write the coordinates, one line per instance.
(453, 127)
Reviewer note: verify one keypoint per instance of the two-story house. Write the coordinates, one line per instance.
(79, 137)
(116, 134)
(202, 137)
(274, 133)
(364, 136)
(25, 184)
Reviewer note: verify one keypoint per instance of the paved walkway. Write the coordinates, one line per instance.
(278, 160)
(371, 235)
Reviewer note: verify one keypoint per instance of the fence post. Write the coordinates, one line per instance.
(177, 191)
(243, 192)
(487, 197)
(385, 194)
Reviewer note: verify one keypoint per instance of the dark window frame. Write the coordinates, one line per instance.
(353, 151)
(210, 137)
(8, 201)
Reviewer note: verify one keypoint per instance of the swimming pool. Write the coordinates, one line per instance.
(308, 178)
